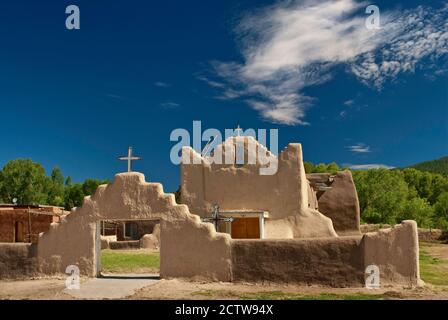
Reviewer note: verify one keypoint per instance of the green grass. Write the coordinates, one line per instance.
(432, 269)
(279, 295)
(130, 261)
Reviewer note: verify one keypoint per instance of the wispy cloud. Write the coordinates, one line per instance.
(349, 103)
(423, 35)
(211, 83)
(115, 96)
(162, 84)
(369, 166)
(359, 148)
(169, 105)
(292, 45)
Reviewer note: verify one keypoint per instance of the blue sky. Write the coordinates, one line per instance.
(136, 70)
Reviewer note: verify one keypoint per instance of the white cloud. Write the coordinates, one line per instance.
(169, 105)
(369, 166)
(115, 96)
(349, 103)
(359, 148)
(423, 35)
(292, 45)
(162, 84)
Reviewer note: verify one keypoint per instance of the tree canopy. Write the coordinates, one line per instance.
(26, 181)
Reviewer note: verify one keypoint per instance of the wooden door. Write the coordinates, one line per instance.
(18, 230)
(245, 228)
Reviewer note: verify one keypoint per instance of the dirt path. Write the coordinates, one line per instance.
(36, 289)
(52, 289)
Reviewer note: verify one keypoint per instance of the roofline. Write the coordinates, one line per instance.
(26, 206)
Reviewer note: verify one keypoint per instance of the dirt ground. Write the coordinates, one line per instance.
(52, 288)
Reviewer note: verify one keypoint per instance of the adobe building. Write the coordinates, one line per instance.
(24, 223)
(293, 238)
(286, 204)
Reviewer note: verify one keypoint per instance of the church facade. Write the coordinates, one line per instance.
(283, 205)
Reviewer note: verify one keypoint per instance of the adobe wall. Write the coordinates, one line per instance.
(339, 262)
(396, 252)
(192, 249)
(330, 261)
(340, 203)
(284, 194)
(39, 223)
(18, 260)
(129, 197)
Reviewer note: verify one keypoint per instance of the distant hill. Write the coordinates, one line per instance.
(435, 166)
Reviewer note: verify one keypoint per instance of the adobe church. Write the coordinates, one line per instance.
(282, 205)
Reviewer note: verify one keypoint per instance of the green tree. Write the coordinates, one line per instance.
(75, 193)
(68, 181)
(441, 211)
(439, 186)
(309, 167)
(90, 185)
(333, 167)
(427, 185)
(320, 168)
(74, 196)
(56, 189)
(417, 209)
(382, 194)
(24, 180)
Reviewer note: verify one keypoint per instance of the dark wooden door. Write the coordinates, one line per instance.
(245, 228)
(18, 232)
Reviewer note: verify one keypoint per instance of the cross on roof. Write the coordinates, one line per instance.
(238, 130)
(215, 218)
(129, 159)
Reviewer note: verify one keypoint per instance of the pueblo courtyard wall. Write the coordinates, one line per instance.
(192, 249)
(339, 262)
(18, 260)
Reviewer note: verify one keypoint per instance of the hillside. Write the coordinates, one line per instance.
(435, 166)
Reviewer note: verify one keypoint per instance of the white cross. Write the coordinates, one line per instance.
(238, 130)
(129, 159)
